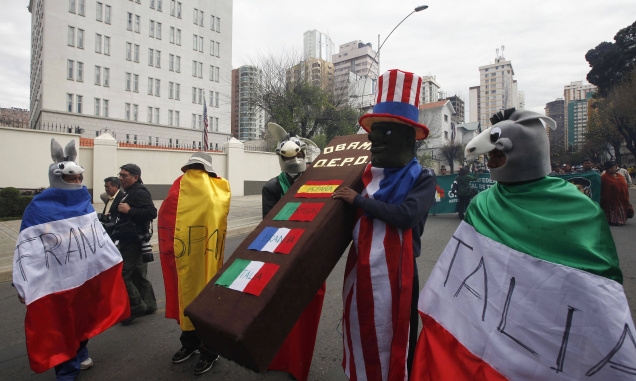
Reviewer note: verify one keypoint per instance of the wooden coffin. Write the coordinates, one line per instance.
(250, 329)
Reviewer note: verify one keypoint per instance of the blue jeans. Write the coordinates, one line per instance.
(70, 369)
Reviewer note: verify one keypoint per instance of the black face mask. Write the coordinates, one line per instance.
(392, 144)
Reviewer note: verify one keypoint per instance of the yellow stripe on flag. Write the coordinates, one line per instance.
(199, 237)
(329, 188)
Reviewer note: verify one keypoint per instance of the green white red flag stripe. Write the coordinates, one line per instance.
(491, 312)
(248, 276)
(299, 211)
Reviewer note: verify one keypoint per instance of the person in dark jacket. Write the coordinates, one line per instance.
(132, 228)
(463, 180)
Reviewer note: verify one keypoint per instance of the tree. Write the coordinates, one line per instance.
(601, 134)
(611, 62)
(292, 100)
(452, 152)
(622, 113)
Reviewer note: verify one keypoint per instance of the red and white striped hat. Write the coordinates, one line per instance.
(398, 101)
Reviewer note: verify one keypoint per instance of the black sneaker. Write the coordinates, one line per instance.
(132, 318)
(204, 365)
(183, 354)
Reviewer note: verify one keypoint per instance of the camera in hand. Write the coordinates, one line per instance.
(146, 252)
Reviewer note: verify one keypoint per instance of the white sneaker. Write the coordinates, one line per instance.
(86, 364)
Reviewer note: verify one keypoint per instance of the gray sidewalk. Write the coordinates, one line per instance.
(245, 215)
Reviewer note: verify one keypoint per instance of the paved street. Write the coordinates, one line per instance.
(143, 350)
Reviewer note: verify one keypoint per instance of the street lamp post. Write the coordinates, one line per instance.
(377, 54)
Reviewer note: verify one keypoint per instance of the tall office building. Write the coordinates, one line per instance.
(576, 90)
(360, 59)
(429, 91)
(317, 45)
(316, 71)
(248, 120)
(576, 116)
(556, 137)
(142, 69)
(497, 90)
(458, 106)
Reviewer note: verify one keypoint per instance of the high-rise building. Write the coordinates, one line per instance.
(142, 69)
(497, 90)
(576, 116)
(556, 137)
(458, 106)
(316, 71)
(360, 59)
(317, 45)
(248, 120)
(576, 90)
(429, 92)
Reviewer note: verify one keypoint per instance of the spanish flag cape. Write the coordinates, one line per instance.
(69, 272)
(528, 288)
(377, 289)
(192, 224)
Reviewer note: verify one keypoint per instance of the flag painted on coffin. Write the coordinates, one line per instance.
(276, 240)
(318, 189)
(527, 301)
(247, 276)
(297, 211)
(69, 272)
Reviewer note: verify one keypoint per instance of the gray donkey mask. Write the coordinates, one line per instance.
(63, 164)
(522, 137)
(287, 149)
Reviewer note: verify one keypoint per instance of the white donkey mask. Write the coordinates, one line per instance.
(63, 164)
(288, 148)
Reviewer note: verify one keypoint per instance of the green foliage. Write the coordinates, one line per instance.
(611, 62)
(12, 204)
(426, 160)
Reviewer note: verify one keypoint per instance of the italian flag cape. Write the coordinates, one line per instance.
(192, 224)
(69, 273)
(377, 289)
(528, 288)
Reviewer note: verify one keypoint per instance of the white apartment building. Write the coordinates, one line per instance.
(317, 45)
(429, 91)
(497, 91)
(249, 119)
(140, 68)
(360, 59)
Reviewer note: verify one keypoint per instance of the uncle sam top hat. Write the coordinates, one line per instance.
(398, 101)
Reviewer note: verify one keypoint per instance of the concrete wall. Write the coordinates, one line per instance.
(27, 155)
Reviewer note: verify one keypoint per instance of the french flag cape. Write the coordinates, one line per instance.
(378, 283)
(192, 223)
(528, 288)
(69, 272)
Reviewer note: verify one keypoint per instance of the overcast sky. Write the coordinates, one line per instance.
(546, 41)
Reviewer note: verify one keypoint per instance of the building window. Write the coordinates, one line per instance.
(129, 21)
(177, 91)
(151, 82)
(170, 116)
(200, 18)
(127, 114)
(212, 48)
(172, 7)
(156, 116)
(157, 87)
(216, 99)
(106, 77)
(149, 114)
(172, 35)
(100, 10)
(200, 92)
(196, 16)
(80, 71)
(98, 43)
(79, 103)
(215, 23)
(105, 108)
(98, 106)
(194, 68)
(171, 62)
(98, 75)
(152, 28)
(178, 38)
(70, 69)
(159, 31)
(136, 83)
(71, 6)
(159, 5)
(194, 121)
(107, 14)
(80, 38)
(157, 58)
(176, 118)
(128, 51)
(137, 23)
(128, 81)
(69, 102)
(151, 57)
(152, 4)
(136, 53)
(195, 42)
(178, 10)
(71, 36)
(177, 64)
(201, 44)
(107, 45)
(170, 90)
(200, 69)
(135, 112)
(194, 95)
